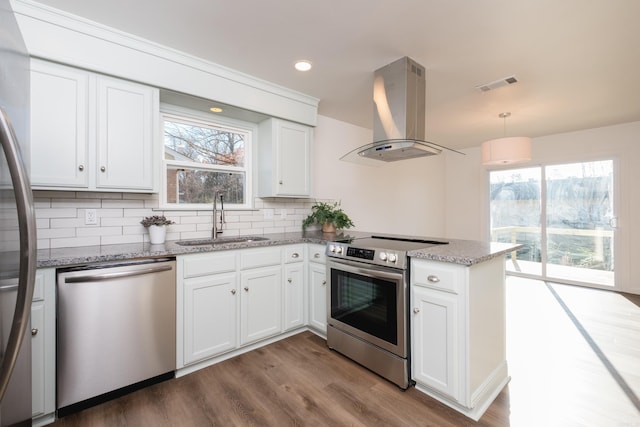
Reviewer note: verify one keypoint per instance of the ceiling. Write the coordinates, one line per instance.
(577, 61)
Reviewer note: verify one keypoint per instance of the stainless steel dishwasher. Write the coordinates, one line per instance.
(116, 329)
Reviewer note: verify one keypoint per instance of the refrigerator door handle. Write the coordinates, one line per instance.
(28, 242)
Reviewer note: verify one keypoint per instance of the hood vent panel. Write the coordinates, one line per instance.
(390, 151)
(399, 93)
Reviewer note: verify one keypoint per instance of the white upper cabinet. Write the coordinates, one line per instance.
(284, 153)
(125, 130)
(59, 121)
(91, 132)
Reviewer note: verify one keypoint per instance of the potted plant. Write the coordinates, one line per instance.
(156, 225)
(329, 215)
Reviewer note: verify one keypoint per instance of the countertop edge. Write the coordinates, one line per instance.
(465, 252)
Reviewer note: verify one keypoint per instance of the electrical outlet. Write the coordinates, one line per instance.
(90, 217)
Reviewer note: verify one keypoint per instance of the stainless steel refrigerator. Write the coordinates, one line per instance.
(17, 226)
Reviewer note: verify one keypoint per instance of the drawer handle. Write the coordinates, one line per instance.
(34, 332)
(289, 280)
(416, 310)
(433, 279)
(233, 291)
(295, 255)
(246, 288)
(316, 255)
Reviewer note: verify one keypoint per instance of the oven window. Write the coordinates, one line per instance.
(365, 303)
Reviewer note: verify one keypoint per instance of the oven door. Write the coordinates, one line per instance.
(368, 302)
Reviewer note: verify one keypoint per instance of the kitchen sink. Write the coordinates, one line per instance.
(221, 241)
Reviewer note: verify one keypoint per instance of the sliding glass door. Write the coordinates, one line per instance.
(564, 216)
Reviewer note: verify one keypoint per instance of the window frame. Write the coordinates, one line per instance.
(195, 117)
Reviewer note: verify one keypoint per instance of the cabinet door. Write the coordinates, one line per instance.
(261, 303)
(43, 344)
(125, 128)
(293, 146)
(293, 296)
(37, 359)
(210, 316)
(59, 120)
(435, 352)
(318, 297)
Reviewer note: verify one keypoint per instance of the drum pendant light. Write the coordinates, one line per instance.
(506, 150)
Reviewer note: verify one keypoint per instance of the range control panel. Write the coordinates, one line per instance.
(382, 257)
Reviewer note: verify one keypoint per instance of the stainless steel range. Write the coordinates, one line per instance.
(367, 302)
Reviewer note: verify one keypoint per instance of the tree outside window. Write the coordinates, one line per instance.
(203, 159)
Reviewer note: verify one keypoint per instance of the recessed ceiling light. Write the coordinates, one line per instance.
(303, 65)
(216, 109)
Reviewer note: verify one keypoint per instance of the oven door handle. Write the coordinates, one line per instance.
(365, 269)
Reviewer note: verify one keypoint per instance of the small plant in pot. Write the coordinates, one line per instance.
(329, 215)
(156, 225)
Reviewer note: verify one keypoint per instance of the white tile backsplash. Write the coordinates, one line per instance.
(61, 218)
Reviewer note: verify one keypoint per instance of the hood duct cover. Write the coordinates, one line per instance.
(399, 92)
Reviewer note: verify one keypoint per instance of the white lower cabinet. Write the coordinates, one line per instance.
(260, 303)
(317, 283)
(210, 316)
(43, 347)
(294, 296)
(231, 299)
(207, 306)
(435, 341)
(294, 291)
(458, 333)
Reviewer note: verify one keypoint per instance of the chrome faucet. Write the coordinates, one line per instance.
(214, 229)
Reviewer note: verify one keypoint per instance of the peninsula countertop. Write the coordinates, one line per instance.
(465, 252)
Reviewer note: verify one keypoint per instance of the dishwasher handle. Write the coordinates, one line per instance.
(116, 275)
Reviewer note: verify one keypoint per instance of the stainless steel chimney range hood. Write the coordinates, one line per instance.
(399, 92)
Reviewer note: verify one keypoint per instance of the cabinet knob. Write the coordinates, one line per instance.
(34, 332)
(233, 291)
(295, 255)
(81, 168)
(102, 168)
(316, 255)
(324, 282)
(280, 182)
(433, 279)
(289, 280)
(246, 288)
(416, 310)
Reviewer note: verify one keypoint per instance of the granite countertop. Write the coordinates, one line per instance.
(106, 253)
(466, 252)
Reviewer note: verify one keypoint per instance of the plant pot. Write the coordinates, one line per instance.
(157, 234)
(328, 227)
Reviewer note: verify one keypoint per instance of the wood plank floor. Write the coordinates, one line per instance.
(558, 377)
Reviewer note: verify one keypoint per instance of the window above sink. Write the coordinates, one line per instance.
(205, 154)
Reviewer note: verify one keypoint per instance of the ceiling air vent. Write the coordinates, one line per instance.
(497, 83)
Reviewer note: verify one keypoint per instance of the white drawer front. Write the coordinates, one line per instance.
(435, 275)
(294, 253)
(317, 253)
(253, 258)
(209, 263)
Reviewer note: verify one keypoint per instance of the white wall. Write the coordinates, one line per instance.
(405, 197)
(467, 183)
